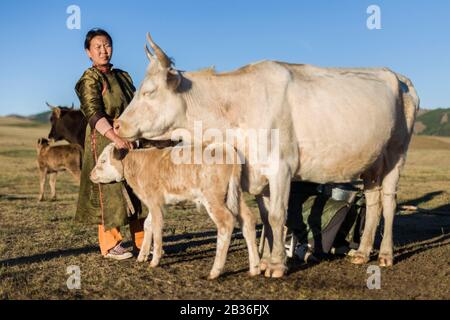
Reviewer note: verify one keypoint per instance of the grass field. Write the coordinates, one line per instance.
(38, 241)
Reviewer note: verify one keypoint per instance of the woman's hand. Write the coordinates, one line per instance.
(118, 141)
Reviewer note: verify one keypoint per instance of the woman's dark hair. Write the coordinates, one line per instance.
(93, 33)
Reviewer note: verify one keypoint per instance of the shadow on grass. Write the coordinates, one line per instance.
(425, 198)
(406, 253)
(422, 230)
(12, 197)
(48, 256)
(418, 232)
(423, 225)
(174, 250)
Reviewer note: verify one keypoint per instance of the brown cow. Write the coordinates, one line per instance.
(67, 124)
(52, 159)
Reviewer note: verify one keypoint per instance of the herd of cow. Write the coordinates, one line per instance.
(334, 124)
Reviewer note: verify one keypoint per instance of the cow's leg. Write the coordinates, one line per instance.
(157, 228)
(76, 174)
(279, 185)
(248, 224)
(263, 201)
(147, 241)
(390, 181)
(42, 178)
(52, 182)
(372, 192)
(224, 220)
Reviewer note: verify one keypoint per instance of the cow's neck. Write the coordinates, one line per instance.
(209, 100)
(130, 169)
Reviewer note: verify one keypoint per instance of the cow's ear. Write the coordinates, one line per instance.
(57, 112)
(119, 154)
(173, 78)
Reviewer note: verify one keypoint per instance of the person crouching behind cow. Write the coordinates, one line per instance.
(104, 93)
(53, 159)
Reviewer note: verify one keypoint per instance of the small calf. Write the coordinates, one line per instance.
(52, 159)
(157, 180)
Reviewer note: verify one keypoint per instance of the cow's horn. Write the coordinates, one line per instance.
(49, 105)
(162, 57)
(149, 54)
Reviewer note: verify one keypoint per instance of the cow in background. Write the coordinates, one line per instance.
(67, 124)
(53, 159)
(70, 124)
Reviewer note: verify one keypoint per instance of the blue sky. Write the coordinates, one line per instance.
(41, 59)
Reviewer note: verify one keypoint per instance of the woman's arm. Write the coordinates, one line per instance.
(89, 91)
(118, 141)
(105, 129)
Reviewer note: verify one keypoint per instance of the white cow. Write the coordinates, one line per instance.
(335, 125)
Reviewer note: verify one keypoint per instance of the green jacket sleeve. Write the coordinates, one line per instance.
(89, 91)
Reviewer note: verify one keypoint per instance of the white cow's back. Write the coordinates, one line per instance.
(343, 118)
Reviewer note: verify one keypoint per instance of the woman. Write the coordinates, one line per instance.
(104, 93)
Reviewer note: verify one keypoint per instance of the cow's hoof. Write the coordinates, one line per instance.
(359, 258)
(275, 271)
(154, 264)
(385, 260)
(255, 271)
(41, 199)
(263, 265)
(352, 253)
(142, 258)
(213, 275)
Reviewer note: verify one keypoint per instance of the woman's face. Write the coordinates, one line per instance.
(100, 50)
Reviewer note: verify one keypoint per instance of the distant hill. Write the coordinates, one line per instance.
(43, 117)
(434, 122)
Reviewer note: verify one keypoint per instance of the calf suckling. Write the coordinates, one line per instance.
(56, 158)
(158, 180)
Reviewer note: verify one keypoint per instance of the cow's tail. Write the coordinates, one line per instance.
(234, 187)
(411, 101)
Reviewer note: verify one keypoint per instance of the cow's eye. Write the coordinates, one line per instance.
(103, 161)
(148, 93)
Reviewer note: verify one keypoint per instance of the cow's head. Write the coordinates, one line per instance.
(109, 167)
(67, 124)
(58, 113)
(157, 107)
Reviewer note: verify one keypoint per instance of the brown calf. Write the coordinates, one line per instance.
(52, 159)
(157, 180)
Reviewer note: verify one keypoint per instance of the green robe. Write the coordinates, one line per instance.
(104, 95)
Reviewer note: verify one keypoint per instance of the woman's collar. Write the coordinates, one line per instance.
(104, 69)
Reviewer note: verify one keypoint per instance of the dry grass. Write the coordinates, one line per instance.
(38, 241)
